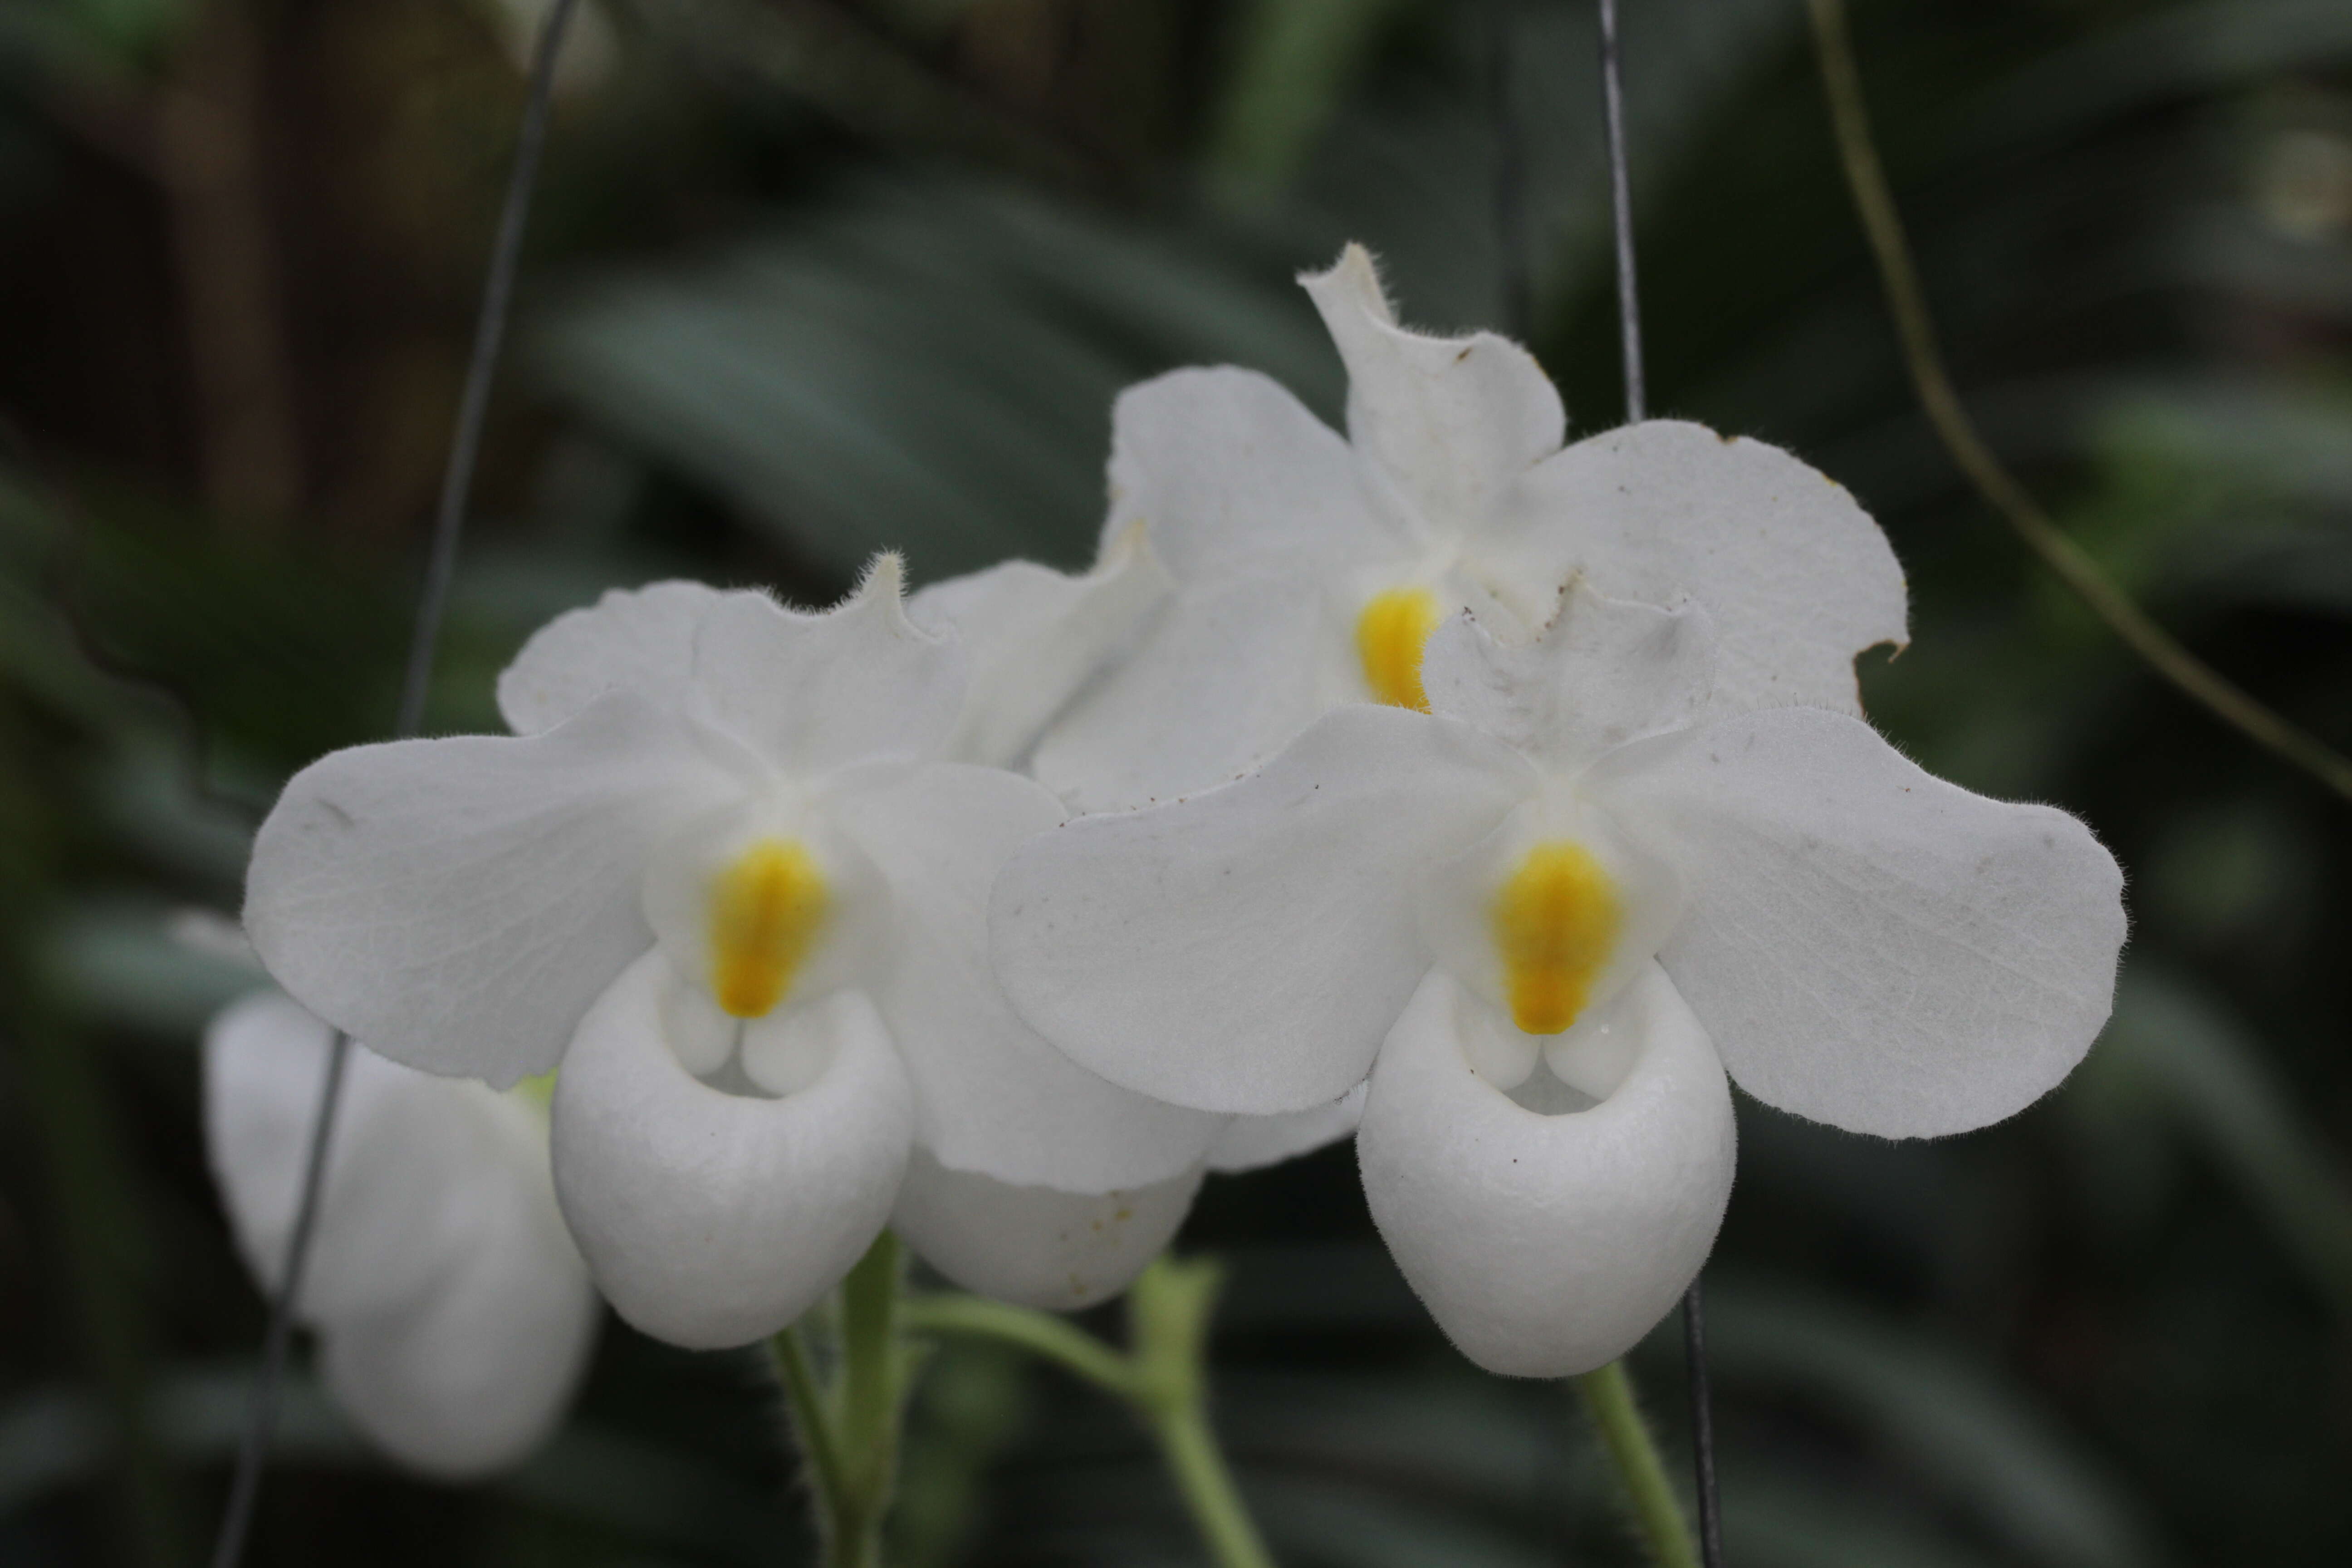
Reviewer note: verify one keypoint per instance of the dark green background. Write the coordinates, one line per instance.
(809, 277)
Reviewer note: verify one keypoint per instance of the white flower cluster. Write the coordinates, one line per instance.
(1499, 794)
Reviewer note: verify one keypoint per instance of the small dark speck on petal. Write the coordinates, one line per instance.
(1465, 353)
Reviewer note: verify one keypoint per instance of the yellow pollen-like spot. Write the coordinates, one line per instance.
(1390, 635)
(765, 909)
(539, 1089)
(1555, 921)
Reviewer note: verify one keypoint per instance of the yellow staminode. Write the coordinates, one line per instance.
(1390, 635)
(1555, 921)
(765, 909)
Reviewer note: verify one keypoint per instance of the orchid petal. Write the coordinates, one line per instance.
(1602, 673)
(1035, 636)
(1453, 421)
(1869, 945)
(1246, 949)
(456, 1314)
(1546, 1245)
(1038, 1246)
(1230, 474)
(641, 640)
(1795, 576)
(1229, 677)
(990, 1096)
(459, 903)
(859, 682)
(712, 1219)
(1251, 1142)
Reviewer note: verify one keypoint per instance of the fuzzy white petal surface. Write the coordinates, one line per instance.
(711, 1219)
(1869, 945)
(814, 692)
(1604, 673)
(990, 1095)
(1253, 1142)
(1247, 950)
(632, 640)
(1546, 1245)
(1453, 421)
(1228, 676)
(1230, 474)
(1038, 1246)
(1034, 637)
(459, 903)
(1795, 575)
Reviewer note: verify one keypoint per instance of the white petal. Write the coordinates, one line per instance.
(476, 1374)
(1247, 950)
(1251, 1142)
(1545, 1246)
(1228, 676)
(459, 903)
(712, 1219)
(639, 640)
(1871, 946)
(990, 1096)
(856, 683)
(1604, 673)
(1796, 578)
(1036, 1245)
(1453, 421)
(1230, 474)
(456, 1313)
(1034, 636)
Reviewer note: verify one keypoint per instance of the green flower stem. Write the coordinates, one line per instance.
(1609, 1395)
(850, 1430)
(1161, 1380)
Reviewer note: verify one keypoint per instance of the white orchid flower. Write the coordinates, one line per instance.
(1552, 912)
(1308, 569)
(724, 878)
(454, 1314)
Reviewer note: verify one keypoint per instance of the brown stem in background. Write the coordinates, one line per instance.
(1923, 356)
(207, 158)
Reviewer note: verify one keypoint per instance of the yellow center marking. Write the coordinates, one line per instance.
(765, 909)
(1390, 635)
(1555, 921)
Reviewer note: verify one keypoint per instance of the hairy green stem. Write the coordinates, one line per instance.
(1162, 1380)
(849, 1430)
(1609, 1395)
(1923, 356)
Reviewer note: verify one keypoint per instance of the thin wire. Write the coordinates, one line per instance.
(1629, 321)
(448, 523)
(1621, 212)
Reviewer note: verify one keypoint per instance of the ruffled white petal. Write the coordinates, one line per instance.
(1451, 422)
(459, 903)
(1545, 1246)
(990, 1096)
(1037, 1246)
(1869, 945)
(1230, 474)
(1796, 578)
(1034, 636)
(456, 1313)
(1251, 1142)
(859, 682)
(1604, 673)
(1247, 950)
(712, 1219)
(640, 640)
(1228, 676)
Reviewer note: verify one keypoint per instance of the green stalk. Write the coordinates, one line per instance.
(1162, 1381)
(1609, 1395)
(849, 1431)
